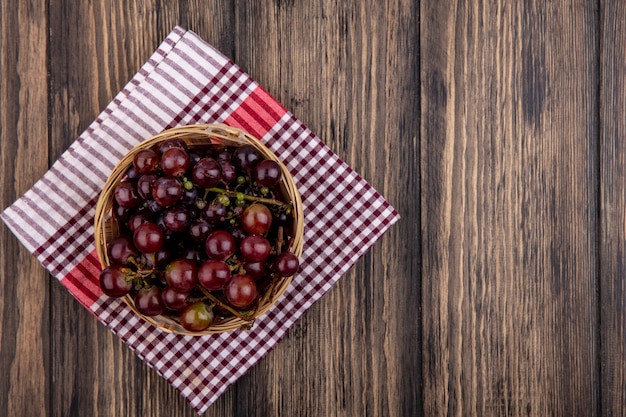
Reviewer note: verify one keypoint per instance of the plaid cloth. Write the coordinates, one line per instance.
(187, 81)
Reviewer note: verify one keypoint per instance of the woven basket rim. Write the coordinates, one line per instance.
(194, 135)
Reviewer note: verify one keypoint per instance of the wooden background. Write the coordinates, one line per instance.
(496, 128)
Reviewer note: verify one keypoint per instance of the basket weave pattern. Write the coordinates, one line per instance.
(106, 227)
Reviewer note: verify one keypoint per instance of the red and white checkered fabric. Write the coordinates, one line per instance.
(187, 81)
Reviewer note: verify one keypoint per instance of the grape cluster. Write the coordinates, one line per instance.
(203, 235)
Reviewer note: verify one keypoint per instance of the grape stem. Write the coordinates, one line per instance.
(226, 306)
(250, 197)
(141, 275)
(279, 240)
(271, 289)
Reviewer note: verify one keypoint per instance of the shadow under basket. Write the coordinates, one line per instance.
(106, 227)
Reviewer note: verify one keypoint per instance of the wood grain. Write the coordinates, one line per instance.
(613, 203)
(24, 328)
(494, 127)
(509, 208)
(352, 77)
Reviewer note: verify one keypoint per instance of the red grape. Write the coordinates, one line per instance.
(157, 259)
(223, 154)
(286, 264)
(196, 317)
(257, 219)
(113, 281)
(245, 157)
(255, 248)
(267, 173)
(120, 213)
(256, 270)
(148, 238)
(162, 257)
(174, 162)
(214, 275)
(220, 245)
(199, 230)
(182, 274)
(167, 191)
(132, 174)
(148, 301)
(194, 157)
(121, 250)
(241, 291)
(237, 233)
(206, 173)
(144, 185)
(176, 218)
(154, 207)
(146, 161)
(137, 220)
(190, 253)
(229, 173)
(172, 143)
(282, 219)
(190, 197)
(214, 212)
(126, 195)
(173, 298)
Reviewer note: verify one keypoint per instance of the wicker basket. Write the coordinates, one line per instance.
(106, 228)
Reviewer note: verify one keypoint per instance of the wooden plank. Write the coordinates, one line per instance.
(613, 203)
(509, 207)
(24, 322)
(348, 70)
(95, 49)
